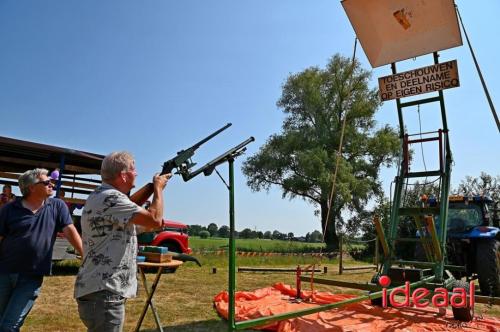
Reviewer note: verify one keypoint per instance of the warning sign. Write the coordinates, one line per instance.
(422, 80)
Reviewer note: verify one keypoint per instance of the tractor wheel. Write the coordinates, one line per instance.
(488, 266)
(378, 301)
(463, 314)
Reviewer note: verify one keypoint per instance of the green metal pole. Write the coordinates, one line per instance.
(446, 179)
(398, 188)
(232, 250)
(398, 105)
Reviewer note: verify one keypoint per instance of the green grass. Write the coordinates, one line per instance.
(253, 245)
(184, 299)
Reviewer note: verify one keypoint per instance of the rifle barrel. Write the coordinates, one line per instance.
(220, 159)
(209, 137)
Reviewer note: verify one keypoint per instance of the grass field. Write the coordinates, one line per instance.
(184, 299)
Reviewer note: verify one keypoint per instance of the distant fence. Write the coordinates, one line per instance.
(331, 254)
(342, 246)
(224, 252)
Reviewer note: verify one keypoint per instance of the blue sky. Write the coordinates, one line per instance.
(153, 77)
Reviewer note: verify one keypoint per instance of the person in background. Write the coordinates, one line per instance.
(107, 276)
(61, 194)
(6, 196)
(28, 228)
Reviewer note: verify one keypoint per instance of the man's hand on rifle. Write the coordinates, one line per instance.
(160, 181)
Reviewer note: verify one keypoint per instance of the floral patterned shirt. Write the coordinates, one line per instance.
(109, 244)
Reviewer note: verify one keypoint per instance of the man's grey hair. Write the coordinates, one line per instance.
(114, 163)
(29, 178)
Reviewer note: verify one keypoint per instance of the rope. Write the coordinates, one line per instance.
(339, 154)
(423, 183)
(310, 267)
(485, 88)
(421, 143)
(339, 150)
(358, 241)
(390, 197)
(405, 191)
(349, 242)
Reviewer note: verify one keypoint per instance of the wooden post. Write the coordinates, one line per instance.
(381, 235)
(340, 255)
(377, 258)
(297, 279)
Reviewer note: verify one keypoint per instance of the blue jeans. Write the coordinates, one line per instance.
(102, 311)
(18, 293)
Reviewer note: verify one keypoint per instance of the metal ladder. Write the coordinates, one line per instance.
(435, 246)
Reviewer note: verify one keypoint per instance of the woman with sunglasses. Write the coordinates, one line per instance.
(28, 228)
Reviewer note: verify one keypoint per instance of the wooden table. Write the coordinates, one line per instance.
(151, 291)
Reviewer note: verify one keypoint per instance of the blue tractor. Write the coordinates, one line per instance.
(473, 241)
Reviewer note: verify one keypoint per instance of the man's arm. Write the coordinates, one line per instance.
(73, 237)
(142, 195)
(153, 217)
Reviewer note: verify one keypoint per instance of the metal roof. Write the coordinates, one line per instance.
(391, 31)
(18, 156)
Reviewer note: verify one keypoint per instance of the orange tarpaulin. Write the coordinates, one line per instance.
(360, 316)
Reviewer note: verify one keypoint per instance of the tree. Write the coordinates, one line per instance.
(316, 236)
(267, 235)
(276, 235)
(195, 230)
(204, 234)
(246, 233)
(290, 236)
(212, 229)
(301, 160)
(223, 231)
(485, 184)
(308, 237)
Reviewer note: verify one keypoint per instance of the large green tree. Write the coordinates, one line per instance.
(301, 159)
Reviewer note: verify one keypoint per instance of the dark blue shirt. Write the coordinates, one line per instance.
(28, 238)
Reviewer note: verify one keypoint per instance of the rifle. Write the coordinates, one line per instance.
(182, 162)
(209, 167)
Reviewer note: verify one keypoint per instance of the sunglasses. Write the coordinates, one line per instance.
(45, 183)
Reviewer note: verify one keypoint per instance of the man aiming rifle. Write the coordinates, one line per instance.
(107, 276)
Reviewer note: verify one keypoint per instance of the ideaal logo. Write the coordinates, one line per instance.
(440, 298)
